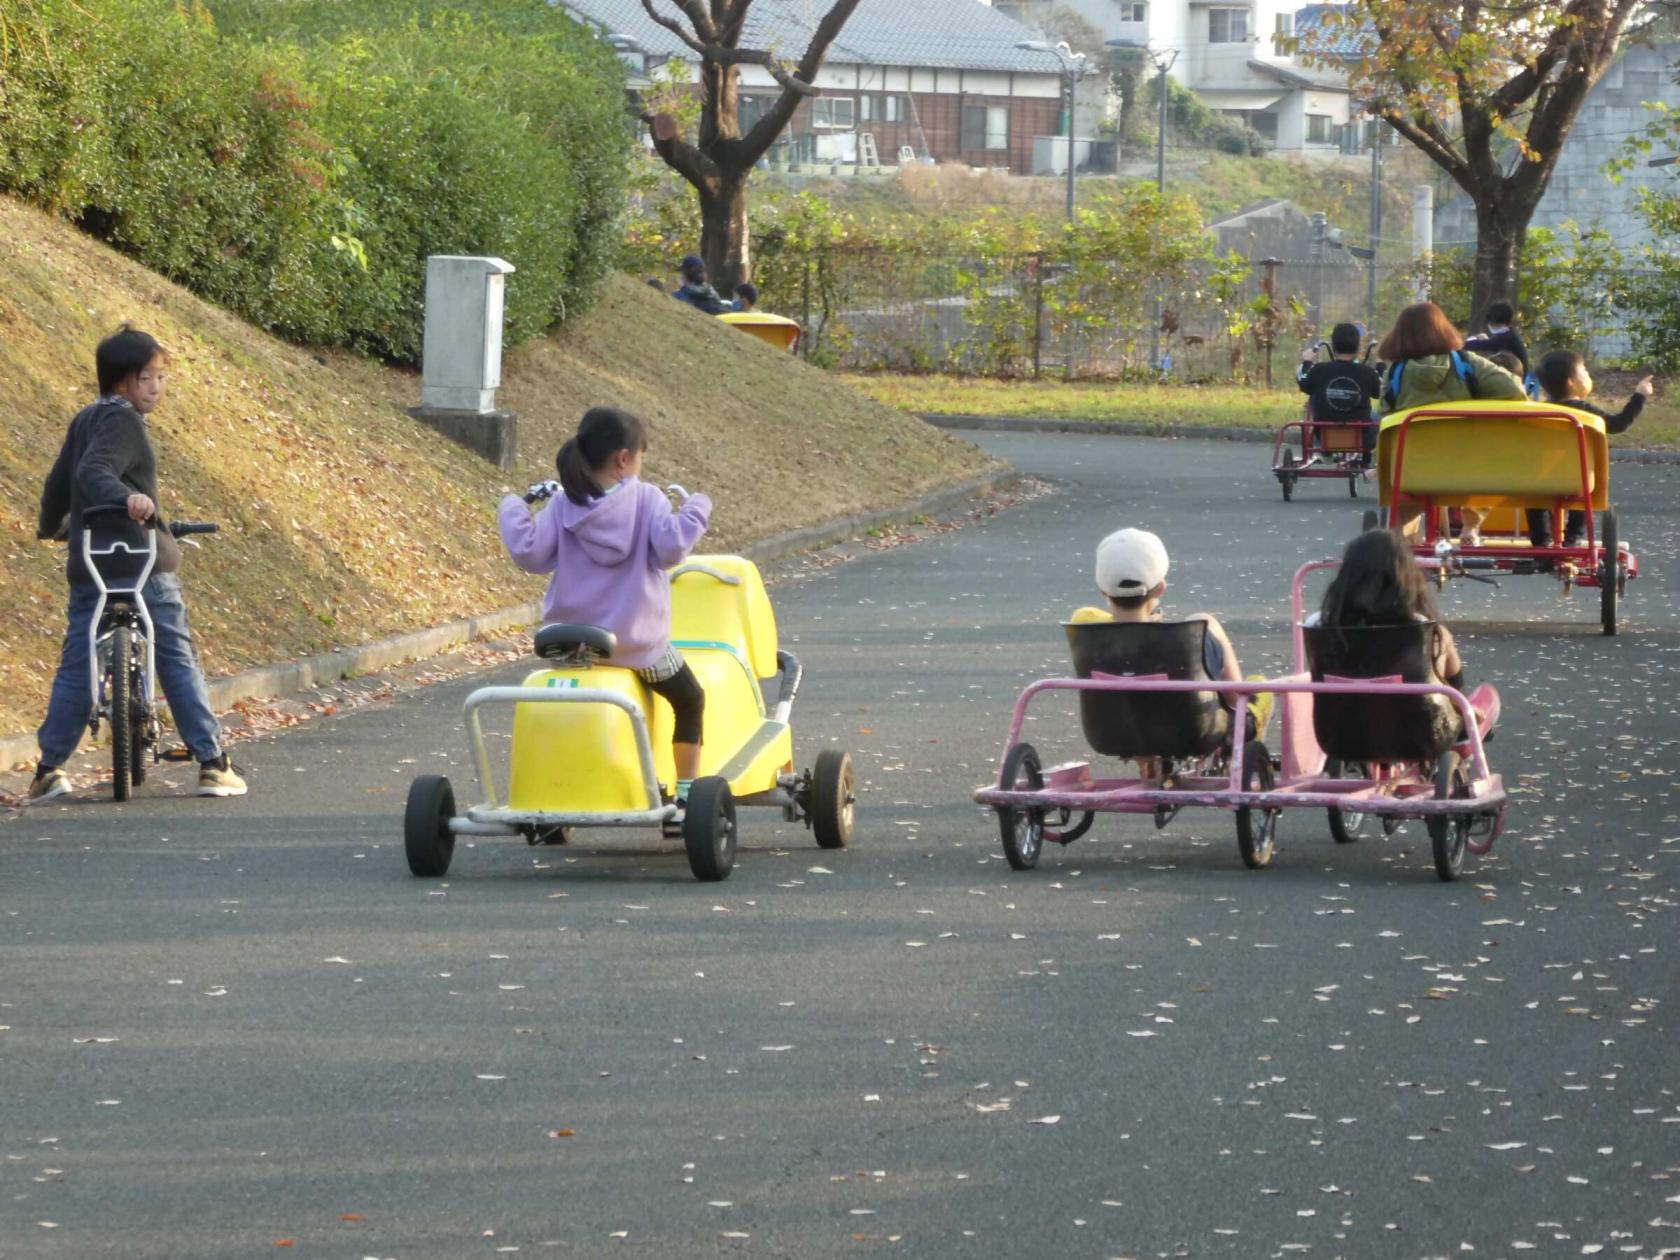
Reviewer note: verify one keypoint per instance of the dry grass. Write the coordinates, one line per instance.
(343, 519)
(1202, 405)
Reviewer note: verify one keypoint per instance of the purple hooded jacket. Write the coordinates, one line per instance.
(608, 559)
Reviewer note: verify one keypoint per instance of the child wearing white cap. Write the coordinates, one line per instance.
(1131, 572)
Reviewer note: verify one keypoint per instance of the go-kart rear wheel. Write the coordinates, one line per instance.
(426, 836)
(833, 799)
(1257, 828)
(1022, 829)
(709, 829)
(1448, 832)
(1609, 573)
(1345, 824)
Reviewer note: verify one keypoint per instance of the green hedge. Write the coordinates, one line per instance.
(303, 182)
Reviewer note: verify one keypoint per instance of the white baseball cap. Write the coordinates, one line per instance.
(1130, 562)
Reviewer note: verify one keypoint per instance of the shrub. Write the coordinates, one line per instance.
(302, 184)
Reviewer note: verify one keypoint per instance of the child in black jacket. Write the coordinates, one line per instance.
(1564, 379)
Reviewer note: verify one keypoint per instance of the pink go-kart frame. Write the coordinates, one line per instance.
(1459, 797)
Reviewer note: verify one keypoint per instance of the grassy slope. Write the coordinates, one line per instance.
(345, 520)
(1218, 405)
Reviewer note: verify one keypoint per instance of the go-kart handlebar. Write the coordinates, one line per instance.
(181, 529)
(177, 529)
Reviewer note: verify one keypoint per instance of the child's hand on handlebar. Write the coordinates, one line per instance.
(541, 491)
(676, 493)
(141, 508)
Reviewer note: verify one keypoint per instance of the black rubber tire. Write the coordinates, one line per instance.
(1447, 835)
(1022, 830)
(1257, 829)
(137, 754)
(1368, 522)
(122, 715)
(426, 836)
(1345, 825)
(1079, 828)
(1288, 483)
(1286, 478)
(833, 799)
(1609, 573)
(709, 829)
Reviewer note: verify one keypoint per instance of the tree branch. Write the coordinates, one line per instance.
(681, 156)
(764, 132)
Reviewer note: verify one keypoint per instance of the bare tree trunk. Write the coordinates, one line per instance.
(1499, 242)
(723, 231)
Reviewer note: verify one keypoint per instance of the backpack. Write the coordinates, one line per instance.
(1531, 387)
(1460, 365)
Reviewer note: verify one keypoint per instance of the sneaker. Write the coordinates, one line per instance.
(219, 778)
(1470, 538)
(50, 781)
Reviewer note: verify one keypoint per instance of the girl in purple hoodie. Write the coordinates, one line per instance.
(608, 541)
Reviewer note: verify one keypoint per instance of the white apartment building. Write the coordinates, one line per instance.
(1226, 51)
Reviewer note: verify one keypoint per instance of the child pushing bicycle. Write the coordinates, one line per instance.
(107, 466)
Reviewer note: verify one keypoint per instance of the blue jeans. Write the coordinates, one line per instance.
(177, 666)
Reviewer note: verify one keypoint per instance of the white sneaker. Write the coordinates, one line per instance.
(1470, 538)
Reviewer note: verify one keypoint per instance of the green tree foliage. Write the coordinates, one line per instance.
(299, 171)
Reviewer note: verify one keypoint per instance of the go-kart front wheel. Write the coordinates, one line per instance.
(833, 799)
(1611, 575)
(1022, 829)
(1257, 828)
(1345, 825)
(709, 829)
(1449, 833)
(426, 836)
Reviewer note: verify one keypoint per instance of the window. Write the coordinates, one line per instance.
(1133, 11)
(1284, 31)
(751, 109)
(1227, 26)
(985, 127)
(895, 111)
(867, 109)
(834, 112)
(1319, 129)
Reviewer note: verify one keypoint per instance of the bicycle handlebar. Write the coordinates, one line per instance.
(182, 528)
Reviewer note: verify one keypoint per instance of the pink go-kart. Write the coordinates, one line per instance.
(1368, 732)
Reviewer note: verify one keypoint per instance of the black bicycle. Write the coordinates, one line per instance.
(120, 555)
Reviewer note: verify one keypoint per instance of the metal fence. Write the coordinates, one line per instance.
(1031, 315)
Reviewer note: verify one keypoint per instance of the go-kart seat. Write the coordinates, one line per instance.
(560, 641)
(1376, 728)
(1188, 724)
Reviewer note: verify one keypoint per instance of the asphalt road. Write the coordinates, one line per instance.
(236, 1026)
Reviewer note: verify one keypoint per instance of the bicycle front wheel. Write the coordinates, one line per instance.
(120, 691)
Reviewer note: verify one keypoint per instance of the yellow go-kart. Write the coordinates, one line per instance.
(592, 745)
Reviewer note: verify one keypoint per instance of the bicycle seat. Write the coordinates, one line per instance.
(1369, 727)
(1186, 724)
(560, 641)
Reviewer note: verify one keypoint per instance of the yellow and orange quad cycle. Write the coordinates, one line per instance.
(1507, 459)
(592, 745)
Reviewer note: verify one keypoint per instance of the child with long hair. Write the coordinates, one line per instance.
(1380, 584)
(608, 540)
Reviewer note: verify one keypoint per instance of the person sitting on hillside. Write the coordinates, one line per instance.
(1340, 389)
(1501, 334)
(1564, 379)
(1428, 364)
(696, 290)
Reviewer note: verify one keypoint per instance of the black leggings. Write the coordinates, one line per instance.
(687, 698)
(1540, 526)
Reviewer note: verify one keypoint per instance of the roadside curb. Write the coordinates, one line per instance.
(1212, 433)
(326, 668)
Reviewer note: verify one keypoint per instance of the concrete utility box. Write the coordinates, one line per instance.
(461, 357)
(461, 363)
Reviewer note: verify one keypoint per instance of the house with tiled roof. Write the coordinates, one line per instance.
(939, 80)
(1233, 54)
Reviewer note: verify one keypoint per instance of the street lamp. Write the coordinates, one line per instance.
(1073, 68)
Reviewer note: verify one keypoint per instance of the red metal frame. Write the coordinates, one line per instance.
(1311, 450)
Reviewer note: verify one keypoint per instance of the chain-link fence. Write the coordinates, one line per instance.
(1032, 315)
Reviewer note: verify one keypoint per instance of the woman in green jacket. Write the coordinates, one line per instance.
(1427, 363)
